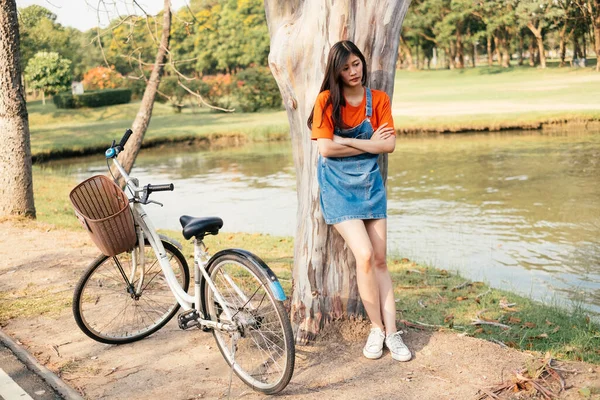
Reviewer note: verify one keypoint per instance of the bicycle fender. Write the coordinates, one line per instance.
(274, 284)
(171, 240)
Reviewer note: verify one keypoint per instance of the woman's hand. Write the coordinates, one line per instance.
(382, 132)
(340, 140)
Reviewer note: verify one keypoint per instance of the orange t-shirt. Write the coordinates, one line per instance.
(323, 126)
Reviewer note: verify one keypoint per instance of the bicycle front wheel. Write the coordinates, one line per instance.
(261, 352)
(118, 302)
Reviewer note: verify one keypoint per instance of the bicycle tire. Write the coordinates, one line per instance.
(264, 355)
(107, 311)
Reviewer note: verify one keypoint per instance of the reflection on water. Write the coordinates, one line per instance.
(518, 210)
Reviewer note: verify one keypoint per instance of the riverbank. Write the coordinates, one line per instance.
(444, 101)
(429, 298)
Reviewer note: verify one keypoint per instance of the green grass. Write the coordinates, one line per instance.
(495, 98)
(54, 130)
(435, 299)
(437, 101)
(427, 298)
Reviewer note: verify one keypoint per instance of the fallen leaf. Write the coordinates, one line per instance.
(514, 320)
(480, 330)
(549, 323)
(529, 325)
(461, 298)
(556, 329)
(585, 392)
(448, 318)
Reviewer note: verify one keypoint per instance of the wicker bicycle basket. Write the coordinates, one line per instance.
(103, 210)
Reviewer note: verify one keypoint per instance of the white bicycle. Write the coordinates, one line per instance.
(126, 297)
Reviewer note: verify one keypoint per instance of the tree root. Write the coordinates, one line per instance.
(544, 380)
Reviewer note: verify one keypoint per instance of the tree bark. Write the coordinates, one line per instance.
(540, 42)
(302, 32)
(460, 50)
(16, 182)
(142, 119)
(405, 50)
(595, 17)
(497, 49)
(531, 53)
(562, 46)
(490, 54)
(521, 47)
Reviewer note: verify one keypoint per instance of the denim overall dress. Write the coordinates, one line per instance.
(352, 187)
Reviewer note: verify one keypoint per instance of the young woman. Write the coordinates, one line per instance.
(352, 125)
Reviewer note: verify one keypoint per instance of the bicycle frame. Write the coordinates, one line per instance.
(188, 302)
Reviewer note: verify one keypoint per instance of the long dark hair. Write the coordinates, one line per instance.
(338, 57)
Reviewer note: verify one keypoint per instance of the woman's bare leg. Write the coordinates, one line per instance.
(377, 231)
(357, 238)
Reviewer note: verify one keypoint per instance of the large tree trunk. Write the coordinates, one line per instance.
(142, 119)
(302, 32)
(16, 183)
(537, 32)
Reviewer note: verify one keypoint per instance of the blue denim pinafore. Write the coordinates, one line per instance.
(352, 187)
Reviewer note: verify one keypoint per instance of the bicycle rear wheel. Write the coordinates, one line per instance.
(261, 352)
(109, 310)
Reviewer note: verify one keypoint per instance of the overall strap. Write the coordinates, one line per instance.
(369, 108)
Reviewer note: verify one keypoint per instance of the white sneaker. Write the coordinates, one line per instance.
(397, 347)
(374, 347)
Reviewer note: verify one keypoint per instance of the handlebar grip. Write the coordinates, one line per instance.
(161, 188)
(125, 138)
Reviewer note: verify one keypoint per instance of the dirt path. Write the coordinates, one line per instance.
(177, 364)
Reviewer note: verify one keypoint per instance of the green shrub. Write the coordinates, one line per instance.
(93, 98)
(255, 89)
(137, 87)
(169, 86)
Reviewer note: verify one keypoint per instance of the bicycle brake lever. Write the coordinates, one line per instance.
(155, 202)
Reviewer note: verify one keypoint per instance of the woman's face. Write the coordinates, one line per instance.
(352, 71)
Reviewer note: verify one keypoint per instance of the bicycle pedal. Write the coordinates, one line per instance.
(188, 319)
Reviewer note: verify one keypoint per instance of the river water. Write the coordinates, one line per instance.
(518, 210)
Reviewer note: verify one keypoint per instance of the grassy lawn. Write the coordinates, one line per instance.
(427, 298)
(440, 100)
(494, 98)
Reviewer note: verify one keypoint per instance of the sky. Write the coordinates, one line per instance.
(82, 14)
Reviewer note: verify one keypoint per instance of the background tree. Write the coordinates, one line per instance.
(40, 32)
(538, 16)
(49, 73)
(142, 119)
(591, 11)
(16, 183)
(302, 32)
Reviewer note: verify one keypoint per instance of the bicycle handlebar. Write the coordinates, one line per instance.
(115, 149)
(160, 188)
(125, 138)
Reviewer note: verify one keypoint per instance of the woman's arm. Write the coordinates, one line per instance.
(329, 148)
(382, 141)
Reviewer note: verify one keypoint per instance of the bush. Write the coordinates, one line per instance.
(217, 90)
(102, 78)
(169, 86)
(137, 87)
(256, 89)
(93, 98)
